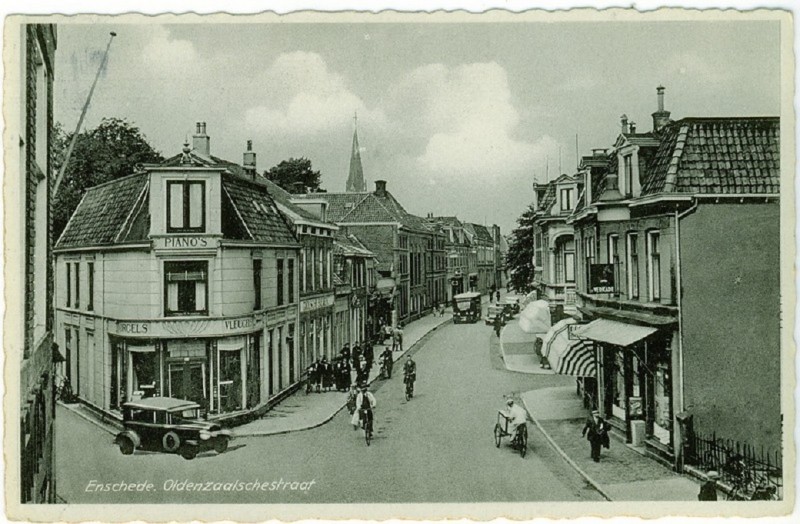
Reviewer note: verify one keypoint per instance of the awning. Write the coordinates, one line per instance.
(141, 348)
(568, 357)
(230, 344)
(613, 332)
(535, 318)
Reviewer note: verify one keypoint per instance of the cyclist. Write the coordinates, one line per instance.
(365, 404)
(409, 372)
(516, 415)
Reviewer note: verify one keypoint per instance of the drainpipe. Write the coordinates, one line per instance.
(678, 290)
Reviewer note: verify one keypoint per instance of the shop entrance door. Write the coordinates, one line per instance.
(187, 381)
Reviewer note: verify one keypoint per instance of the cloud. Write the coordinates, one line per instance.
(471, 121)
(305, 98)
(166, 55)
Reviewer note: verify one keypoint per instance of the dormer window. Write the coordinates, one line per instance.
(627, 174)
(566, 199)
(186, 206)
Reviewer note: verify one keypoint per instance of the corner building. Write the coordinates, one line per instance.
(170, 283)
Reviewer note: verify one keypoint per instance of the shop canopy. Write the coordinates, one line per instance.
(613, 332)
(566, 356)
(535, 318)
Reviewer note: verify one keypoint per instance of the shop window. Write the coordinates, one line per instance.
(654, 263)
(633, 266)
(186, 203)
(230, 378)
(619, 400)
(279, 290)
(186, 288)
(257, 283)
(144, 371)
(663, 403)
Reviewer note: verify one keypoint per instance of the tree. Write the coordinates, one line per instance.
(520, 253)
(295, 175)
(108, 152)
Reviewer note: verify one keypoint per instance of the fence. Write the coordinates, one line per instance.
(747, 470)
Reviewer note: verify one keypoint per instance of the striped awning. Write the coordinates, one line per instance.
(566, 356)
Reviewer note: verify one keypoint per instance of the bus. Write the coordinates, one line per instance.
(467, 307)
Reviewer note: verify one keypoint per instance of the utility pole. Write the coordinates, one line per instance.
(83, 115)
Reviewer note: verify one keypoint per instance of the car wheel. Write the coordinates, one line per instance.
(125, 446)
(171, 441)
(221, 444)
(188, 452)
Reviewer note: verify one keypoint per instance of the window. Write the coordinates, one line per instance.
(186, 202)
(69, 284)
(186, 288)
(613, 257)
(627, 165)
(569, 267)
(654, 251)
(257, 283)
(77, 303)
(588, 253)
(566, 199)
(633, 266)
(279, 290)
(90, 285)
(290, 284)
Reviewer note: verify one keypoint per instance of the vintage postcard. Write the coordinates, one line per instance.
(399, 265)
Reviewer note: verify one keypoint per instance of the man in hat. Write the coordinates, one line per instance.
(365, 403)
(596, 433)
(708, 491)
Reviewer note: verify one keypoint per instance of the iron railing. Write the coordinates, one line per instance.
(751, 473)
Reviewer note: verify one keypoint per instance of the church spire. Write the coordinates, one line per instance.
(355, 180)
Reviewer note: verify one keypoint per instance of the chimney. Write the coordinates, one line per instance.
(632, 127)
(380, 188)
(201, 142)
(249, 160)
(624, 122)
(660, 117)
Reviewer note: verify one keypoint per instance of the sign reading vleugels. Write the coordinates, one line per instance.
(315, 303)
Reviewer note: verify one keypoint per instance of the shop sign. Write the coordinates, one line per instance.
(601, 278)
(316, 303)
(187, 328)
(240, 323)
(132, 328)
(185, 242)
(635, 408)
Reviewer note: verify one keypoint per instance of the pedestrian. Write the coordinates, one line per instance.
(345, 351)
(313, 375)
(388, 361)
(498, 324)
(596, 432)
(362, 374)
(441, 309)
(356, 356)
(327, 374)
(320, 373)
(369, 356)
(708, 491)
(397, 339)
(344, 371)
(497, 296)
(387, 332)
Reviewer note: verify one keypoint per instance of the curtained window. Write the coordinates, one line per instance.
(186, 206)
(186, 288)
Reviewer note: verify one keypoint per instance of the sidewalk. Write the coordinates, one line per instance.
(305, 411)
(517, 349)
(623, 473)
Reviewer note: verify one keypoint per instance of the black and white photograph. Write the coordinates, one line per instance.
(532, 264)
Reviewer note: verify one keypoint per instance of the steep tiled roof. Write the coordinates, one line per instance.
(103, 216)
(483, 233)
(349, 245)
(717, 155)
(549, 197)
(284, 200)
(253, 203)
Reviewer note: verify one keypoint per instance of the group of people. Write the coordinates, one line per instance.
(393, 334)
(327, 376)
(361, 401)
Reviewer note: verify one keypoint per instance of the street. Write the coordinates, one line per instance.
(438, 447)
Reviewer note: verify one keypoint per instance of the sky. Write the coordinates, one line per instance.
(459, 119)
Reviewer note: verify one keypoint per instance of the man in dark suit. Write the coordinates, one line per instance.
(596, 432)
(708, 491)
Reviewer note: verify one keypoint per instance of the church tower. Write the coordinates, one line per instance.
(355, 180)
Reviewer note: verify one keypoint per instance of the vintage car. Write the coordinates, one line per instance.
(169, 425)
(467, 307)
(513, 303)
(494, 311)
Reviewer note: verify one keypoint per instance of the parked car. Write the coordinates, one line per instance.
(169, 425)
(494, 311)
(513, 302)
(467, 307)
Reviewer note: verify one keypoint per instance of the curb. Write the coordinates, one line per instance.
(564, 456)
(84, 416)
(329, 418)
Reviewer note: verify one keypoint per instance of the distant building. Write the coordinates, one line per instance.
(33, 252)
(355, 179)
(398, 239)
(180, 280)
(677, 237)
(457, 253)
(482, 278)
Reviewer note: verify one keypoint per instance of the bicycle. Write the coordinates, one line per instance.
(409, 380)
(366, 424)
